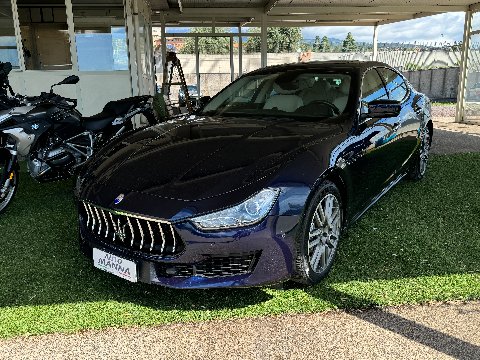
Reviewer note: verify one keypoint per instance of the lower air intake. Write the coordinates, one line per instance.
(213, 266)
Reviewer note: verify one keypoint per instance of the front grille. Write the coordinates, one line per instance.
(213, 266)
(150, 236)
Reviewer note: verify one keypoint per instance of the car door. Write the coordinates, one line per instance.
(407, 123)
(368, 154)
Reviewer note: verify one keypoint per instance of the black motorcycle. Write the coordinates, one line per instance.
(8, 99)
(55, 139)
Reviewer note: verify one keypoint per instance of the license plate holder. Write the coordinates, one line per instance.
(116, 265)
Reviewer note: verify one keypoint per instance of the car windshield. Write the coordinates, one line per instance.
(293, 93)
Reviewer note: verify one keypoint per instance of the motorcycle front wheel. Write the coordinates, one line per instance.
(6, 196)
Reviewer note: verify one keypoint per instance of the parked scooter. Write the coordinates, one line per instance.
(56, 139)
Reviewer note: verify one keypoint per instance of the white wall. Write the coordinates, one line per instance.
(93, 90)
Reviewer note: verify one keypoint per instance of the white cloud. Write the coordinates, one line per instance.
(443, 27)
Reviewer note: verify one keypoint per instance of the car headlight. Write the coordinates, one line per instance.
(249, 212)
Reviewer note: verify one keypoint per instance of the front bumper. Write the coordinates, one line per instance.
(253, 256)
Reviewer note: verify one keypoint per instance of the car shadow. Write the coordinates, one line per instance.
(407, 328)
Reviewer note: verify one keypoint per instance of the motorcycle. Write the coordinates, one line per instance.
(55, 139)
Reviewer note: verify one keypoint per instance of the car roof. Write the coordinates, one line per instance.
(340, 64)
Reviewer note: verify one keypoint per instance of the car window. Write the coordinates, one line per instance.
(397, 88)
(300, 93)
(372, 87)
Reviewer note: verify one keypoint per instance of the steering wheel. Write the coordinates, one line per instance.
(336, 110)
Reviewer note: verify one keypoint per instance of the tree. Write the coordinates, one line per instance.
(325, 45)
(317, 43)
(207, 45)
(349, 43)
(286, 39)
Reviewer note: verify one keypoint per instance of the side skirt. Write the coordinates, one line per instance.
(378, 197)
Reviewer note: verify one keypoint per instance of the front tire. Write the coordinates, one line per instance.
(318, 235)
(7, 197)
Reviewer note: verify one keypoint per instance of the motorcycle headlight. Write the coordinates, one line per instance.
(249, 212)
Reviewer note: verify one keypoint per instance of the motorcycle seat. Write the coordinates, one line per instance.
(98, 121)
(112, 110)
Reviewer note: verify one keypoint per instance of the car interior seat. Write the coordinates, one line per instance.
(284, 99)
(321, 90)
(342, 94)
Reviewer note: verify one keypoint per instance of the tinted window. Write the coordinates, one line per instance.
(372, 87)
(396, 86)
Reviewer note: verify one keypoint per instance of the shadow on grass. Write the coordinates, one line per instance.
(419, 229)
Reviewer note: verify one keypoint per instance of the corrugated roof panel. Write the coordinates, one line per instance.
(221, 3)
(294, 3)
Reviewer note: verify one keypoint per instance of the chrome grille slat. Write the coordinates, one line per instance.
(131, 229)
(136, 232)
(93, 218)
(141, 235)
(114, 226)
(106, 222)
(173, 236)
(152, 238)
(163, 238)
(88, 214)
(99, 221)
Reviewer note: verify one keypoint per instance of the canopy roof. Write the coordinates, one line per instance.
(299, 12)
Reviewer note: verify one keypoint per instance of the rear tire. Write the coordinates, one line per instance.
(7, 198)
(420, 163)
(318, 235)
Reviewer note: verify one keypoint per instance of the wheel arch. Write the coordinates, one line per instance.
(336, 176)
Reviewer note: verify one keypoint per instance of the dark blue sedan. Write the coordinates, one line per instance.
(256, 187)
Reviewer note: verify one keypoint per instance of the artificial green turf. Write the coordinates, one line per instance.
(421, 242)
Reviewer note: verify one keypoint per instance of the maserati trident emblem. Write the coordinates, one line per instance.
(119, 230)
(35, 127)
(119, 199)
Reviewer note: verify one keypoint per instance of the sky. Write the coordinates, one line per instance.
(438, 28)
(446, 27)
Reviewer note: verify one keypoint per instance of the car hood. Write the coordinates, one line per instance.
(196, 158)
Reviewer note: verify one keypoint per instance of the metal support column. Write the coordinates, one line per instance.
(375, 43)
(462, 83)
(197, 66)
(240, 51)
(232, 66)
(263, 41)
(18, 35)
(71, 33)
(132, 48)
(163, 44)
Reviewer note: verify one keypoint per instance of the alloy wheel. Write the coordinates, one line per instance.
(424, 151)
(324, 233)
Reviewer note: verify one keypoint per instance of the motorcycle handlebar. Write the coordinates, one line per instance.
(58, 99)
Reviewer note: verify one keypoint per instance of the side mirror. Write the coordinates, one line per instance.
(383, 109)
(69, 80)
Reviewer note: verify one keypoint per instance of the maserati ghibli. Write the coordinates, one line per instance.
(258, 185)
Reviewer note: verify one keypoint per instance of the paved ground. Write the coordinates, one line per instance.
(449, 137)
(439, 331)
